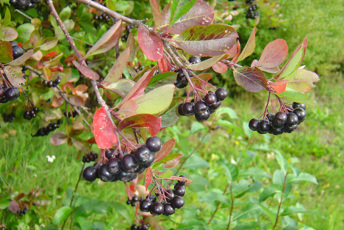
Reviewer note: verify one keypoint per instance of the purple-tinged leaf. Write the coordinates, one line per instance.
(220, 67)
(87, 72)
(157, 15)
(14, 206)
(127, 109)
(49, 43)
(116, 71)
(273, 54)
(199, 84)
(150, 43)
(107, 41)
(9, 34)
(166, 148)
(21, 59)
(249, 47)
(294, 61)
(180, 8)
(302, 80)
(153, 123)
(15, 75)
(206, 64)
(268, 70)
(250, 79)
(5, 52)
(58, 138)
(104, 132)
(207, 41)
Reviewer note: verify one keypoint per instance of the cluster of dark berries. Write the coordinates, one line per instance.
(8, 117)
(127, 168)
(203, 109)
(28, 115)
(92, 156)
(280, 122)
(24, 4)
(8, 94)
(173, 198)
(140, 227)
(134, 200)
(53, 83)
(128, 29)
(102, 17)
(252, 12)
(17, 51)
(46, 130)
(181, 80)
(22, 211)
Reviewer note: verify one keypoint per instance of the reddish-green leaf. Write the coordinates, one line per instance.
(273, 54)
(150, 43)
(205, 77)
(278, 86)
(21, 59)
(87, 72)
(200, 14)
(294, 61)
(249, 47)
(294, 96)
(15, 75)
(127, 109)
(164, 64)
(166, 148)
(9, 34)
(121, 87)
(116, 71)
(49, 43)
(153, 123)
(104, 132)
(157, 15)
(301, 80)
(180, 8)
(5, 52)
(220, 67)
(211, 40)
(188, 181)
(173, 161)
(148, 178)
(251, 79)
(58, 138)
(107, 41)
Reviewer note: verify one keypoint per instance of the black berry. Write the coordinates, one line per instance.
(179, 190)
(145, 205)
(253, 124)
(279, 119)
(177, 202)
(157, 208)
(153, 144)
(221, 94)
(299, 105)
(113, 166)
(194, 60)
(300, 113)
(129, 163)
(90, 173)
(168, 209)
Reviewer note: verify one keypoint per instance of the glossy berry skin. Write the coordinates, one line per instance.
(200, 107)
(299, 105)
(104, 174)
(151, 197)
(129, 163)
(289, 129)
(113, 166)
(179, 190)
(12, 93)
(270, 116)
(169, 194)
(17, 51)
(143, 156)
(177, 202)
(280, 119)
(194, 60)
(253, 124)
(145, 205)
(276, 130)
(202, 116)
(168, 209)
(149, 161)
(214, 107)
(210, 99)
(126, 177)
(221, 94)
(300, 113)
(157, 208)
(90, 173)
(263, 126)
(153, 144)
(109, 153)
(292, 119)
(133, 227)
(181, 80)
(140, 169)
(180, 110)
(188, 109)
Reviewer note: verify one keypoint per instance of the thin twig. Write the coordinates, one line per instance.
(232, 206)
(281, 200)
(218, 205)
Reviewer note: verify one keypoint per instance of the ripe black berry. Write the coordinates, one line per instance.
(12, 93)
(289, 129)
(263, 126)
(129, 163)
(253, 124)
(126, 177)
(133, 227)
(113, 166)
(202, 116)
(153, 144)
(168, 209)
(276, 130)
(104, 174)
(214, 106)
(145, 205)
(180, 110)
(181, 80)
(179, 190)
(279, 119)
(151, 197)
(200, 107)
(300, 113)
(90, 173)
(270, 116)
(109, 153)
(210, 99)
(169, 194)
(17, 51)
(299, 105)
(221, 94)
(157, 208)
(292, 119)
(194, 60)
(188, 108)
(177, 202)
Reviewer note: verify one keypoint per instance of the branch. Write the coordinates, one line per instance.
(232, 207)
(218, 205)
(281, 200)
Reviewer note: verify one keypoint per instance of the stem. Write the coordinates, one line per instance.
(218, 205)
(232, 207)
(281, 200)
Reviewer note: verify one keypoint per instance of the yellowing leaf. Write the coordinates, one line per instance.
(302, 80)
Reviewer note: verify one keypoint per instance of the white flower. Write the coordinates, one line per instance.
(50, 158)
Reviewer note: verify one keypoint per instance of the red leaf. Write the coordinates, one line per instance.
(87, 72)
(58, 138)
(148, 178)
(174, 162)
(142, 120)
(51, 54)
(188, 181)
(220, 67)
(164, 64)
(166, 148)
(251, 79)
(279, 86)
(104, 132)
(273, 54)
(150, 43)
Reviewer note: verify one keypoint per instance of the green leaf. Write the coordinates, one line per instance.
(49, 43)
(167, 174)
(5, 52)
(231, 172)
(84, 223)
(253, 172)
(249, 47)
(5, 202)
(199, 183)
(163, 79)
(302, 80)
(121, 87)
(25, 31)
(289, 223)
(226, 110)
(116, 71)
(246, 226)
(268, 212)
(156, 101)
(65, 13)
(213, 195)
(9, 34)
(278, 177)
(179, 8)
(292, 95)
(7, 18)
(292, 209)
(302, 177)
(122, 209)
(195, 162)
(203, 65)
(197, 127)
(281, 161)
(270, 191)
(249, 210)
(61, 215)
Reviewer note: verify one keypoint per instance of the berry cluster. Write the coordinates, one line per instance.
(128, 28)
(252, 12)
(17, 51)
(181, 80)
(280, 122)
(8, 117)
(24, 4)
(133, 201)
(28, 115)
(22, 211)
(126, 168)
(203, 109)
(46, 130)
(173, 198)
(92, 156)
(53, 83)
(100, 16)
(8, 94)
(140, 227)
